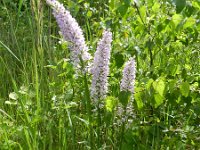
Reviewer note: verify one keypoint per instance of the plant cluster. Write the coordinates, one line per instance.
(122, 75)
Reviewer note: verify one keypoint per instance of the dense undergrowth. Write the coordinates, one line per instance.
(45, 103)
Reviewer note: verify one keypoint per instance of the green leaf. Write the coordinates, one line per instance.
(123, 9)
(119, 59)
(172, 85)
(127, 2)
(196, 4)
(159, 86)
(185, 88)
(149, 83)
(124, 97)
(189, 23)
(160, 28)
(156, 7)
(138, 99)
(110, 103)
(143, 13)
(158, 100)
(20, 6)
(112, 4)
(65, 63)
(89, 14)
(108, 118)
(177, 19)
(180, 4)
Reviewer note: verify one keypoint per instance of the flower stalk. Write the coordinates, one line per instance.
(71, 32)
(127, 85)
(100, 68)
(100, 72)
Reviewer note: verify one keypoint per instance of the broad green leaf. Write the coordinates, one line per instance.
(189, 22)
(138, 99)
(110, 103)
(177, 19)
(89, 14)
(174, 69)
(178, 69)
(196, 4)
(159, 86)
(160, 27)
(63, 44)
(143, 13)
(178, 100)
(156, 7)
(119, 59)
(149, 83)
(127, 2)
(112, 4)
(185, 88)
(123, 9)
(138, 95)
(180, 4)
(172, 85)
(158, 100)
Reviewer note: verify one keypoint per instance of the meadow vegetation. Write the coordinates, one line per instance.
(107, 74)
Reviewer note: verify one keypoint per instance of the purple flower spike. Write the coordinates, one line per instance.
(71, 32)
(126, 115)
(128, 79)
(100, 69)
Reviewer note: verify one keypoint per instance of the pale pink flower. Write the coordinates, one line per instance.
(71, 32)
(128, 79)
(100, 68)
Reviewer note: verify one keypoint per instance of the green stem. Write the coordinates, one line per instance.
(72, 128)
(87, 94)
(122, 135)
(88, 101)
(122, 129)
(99, 125)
